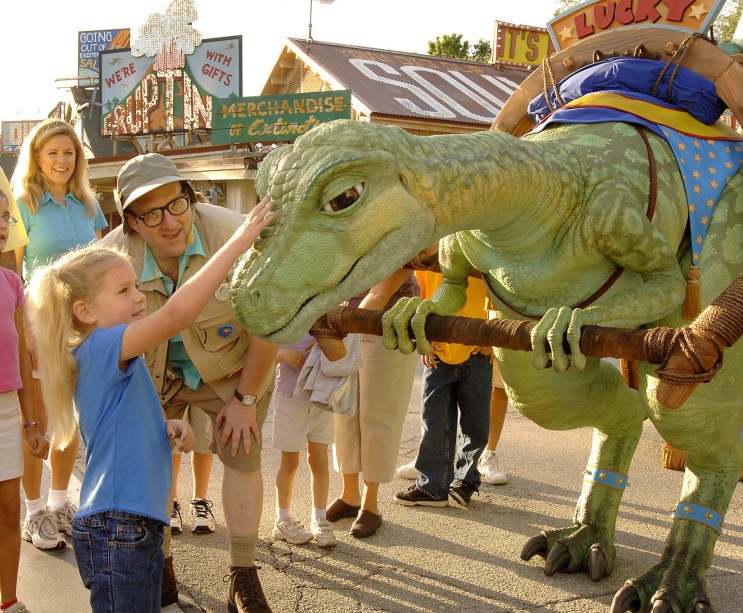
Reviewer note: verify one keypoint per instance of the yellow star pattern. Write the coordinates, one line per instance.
(697, 157)
(696, 174)
(705, 221)
(712, 170)
(713, 184)
(682, 146)
(712, 155)
(566, 33)
(692, 208)
(698, 11)
(697, 189)
(711, 203)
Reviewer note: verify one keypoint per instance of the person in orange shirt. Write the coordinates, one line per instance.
(456, 389)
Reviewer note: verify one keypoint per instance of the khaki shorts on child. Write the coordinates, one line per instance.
(296, 423)
(11, 447)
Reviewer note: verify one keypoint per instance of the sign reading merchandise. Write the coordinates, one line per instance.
(170, 92)
(89, 46)
(276, 118)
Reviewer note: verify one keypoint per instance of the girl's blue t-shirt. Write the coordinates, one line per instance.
(128, 457)
(56, 229)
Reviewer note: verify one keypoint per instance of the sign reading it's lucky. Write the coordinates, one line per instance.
(596, 16)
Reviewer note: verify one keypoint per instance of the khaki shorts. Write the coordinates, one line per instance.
(296, 423)
(203, 430)
(206, 399)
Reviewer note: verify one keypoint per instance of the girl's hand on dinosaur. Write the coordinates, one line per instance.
(257, 219)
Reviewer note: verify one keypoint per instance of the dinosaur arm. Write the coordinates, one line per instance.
(632, 242)
(626, 237)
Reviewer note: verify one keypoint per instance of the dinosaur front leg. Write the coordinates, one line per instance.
(678, 584)
(594, 397)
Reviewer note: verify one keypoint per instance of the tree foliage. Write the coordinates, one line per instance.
(452, 45)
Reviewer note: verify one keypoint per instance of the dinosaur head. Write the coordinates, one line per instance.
(346, 216)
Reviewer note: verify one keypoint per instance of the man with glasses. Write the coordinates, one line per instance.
(215, 364)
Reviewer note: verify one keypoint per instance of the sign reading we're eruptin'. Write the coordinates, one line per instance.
(166, 81)
(597, 16)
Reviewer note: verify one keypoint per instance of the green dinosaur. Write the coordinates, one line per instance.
(547, 218)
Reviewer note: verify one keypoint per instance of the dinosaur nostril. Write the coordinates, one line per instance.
(254, 297)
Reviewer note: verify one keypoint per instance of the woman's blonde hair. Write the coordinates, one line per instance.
(29, 183)
(52, 291)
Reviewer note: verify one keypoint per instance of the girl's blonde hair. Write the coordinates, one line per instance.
(29, 183)
(52, 291)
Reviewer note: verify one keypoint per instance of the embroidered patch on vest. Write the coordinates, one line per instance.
(226, 331)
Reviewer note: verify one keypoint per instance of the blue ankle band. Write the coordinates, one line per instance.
(701, 514)
(601, 476)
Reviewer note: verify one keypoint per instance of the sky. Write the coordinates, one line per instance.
(38, 45)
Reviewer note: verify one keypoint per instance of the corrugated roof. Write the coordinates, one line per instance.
(407, 85)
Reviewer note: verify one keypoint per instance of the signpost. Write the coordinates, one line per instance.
(521, 45)
(91, 43)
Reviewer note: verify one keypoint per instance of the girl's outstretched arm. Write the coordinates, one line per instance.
(182, 309)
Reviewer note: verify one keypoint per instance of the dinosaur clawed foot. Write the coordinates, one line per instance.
(635, 596)
(535, 546)
(571, 550)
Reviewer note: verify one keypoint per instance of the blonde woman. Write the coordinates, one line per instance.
(59, 211)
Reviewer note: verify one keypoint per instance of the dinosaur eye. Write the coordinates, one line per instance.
(344, 199)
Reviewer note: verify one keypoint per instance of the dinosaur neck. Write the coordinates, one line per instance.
(465, 178)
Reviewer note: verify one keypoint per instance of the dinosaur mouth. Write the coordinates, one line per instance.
(309, 300)
(338, 287)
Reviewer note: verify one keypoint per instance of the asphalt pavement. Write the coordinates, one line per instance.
(429, 559)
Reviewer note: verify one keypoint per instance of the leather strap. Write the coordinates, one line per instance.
(652, 199)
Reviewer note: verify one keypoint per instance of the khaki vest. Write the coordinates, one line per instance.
(214, 354)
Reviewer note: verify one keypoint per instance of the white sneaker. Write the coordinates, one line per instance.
(408, 471)
(18, 607)
(64, 516)
(41, 530)
(202, 520)
(322, 530)
(292, 531)
(176, 521)
(490, 470)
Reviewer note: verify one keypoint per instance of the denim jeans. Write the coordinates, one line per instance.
(120, 560)
(453, 392)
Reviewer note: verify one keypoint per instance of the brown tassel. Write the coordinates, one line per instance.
(693, 299)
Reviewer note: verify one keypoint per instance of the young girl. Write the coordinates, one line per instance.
(60, 212)
(90, 325)
(15, 385)
(295, 424)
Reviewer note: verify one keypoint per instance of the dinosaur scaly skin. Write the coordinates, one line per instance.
(547, 219)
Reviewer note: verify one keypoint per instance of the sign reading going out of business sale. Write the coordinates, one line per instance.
(91, 43)
(276, 118)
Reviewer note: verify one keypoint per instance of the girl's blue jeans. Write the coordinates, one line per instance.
(120, 560)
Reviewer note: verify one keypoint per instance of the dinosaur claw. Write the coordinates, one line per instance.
(662, 606)
(702, 605)
(626, 599)
(597, 563)
(557, 560)
(535, 546)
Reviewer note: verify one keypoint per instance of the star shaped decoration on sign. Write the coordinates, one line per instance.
(566, 33)
(698, 11)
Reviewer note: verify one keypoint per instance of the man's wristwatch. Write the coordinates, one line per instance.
(247, 399)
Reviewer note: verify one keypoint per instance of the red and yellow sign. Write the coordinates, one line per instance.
(591, 18)
(521, 45)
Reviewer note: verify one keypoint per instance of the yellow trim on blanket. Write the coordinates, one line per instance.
(677, 120)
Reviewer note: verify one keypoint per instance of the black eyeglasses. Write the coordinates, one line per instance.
(155, 217)
(9, 221)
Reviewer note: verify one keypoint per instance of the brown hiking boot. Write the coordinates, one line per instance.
(246, 593)
(169, 588)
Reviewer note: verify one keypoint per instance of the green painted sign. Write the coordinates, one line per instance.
(275, 118)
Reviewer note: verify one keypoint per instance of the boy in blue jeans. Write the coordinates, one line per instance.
(456, 390)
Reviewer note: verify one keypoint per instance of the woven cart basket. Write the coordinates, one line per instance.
(675, 459)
